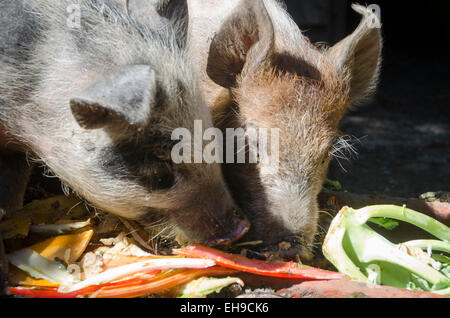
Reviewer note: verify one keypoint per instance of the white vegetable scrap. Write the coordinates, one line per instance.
(134, 268)
(206, 285)
(420, 255)
(92, 264)
(123, 246)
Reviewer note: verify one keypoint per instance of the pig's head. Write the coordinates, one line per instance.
(125, 164)
(303, 91)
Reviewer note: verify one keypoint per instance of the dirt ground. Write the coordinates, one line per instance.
(403, 135)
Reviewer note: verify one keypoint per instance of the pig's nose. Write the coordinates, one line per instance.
(240, 225)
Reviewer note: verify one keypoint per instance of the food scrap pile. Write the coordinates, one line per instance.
(57, 250)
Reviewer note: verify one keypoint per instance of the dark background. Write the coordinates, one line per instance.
(403, 135)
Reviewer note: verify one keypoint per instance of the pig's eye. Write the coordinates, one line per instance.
(158, 176)
(163, 181)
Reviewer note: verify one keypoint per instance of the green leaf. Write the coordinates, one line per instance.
(445, 269)
(385, 223)
(332, 185)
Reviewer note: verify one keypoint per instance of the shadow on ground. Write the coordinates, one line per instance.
(403, 134)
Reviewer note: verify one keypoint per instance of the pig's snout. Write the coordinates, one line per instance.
(239, 227)
(210, 216)
(212, 227)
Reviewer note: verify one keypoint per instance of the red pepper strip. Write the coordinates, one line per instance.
(273, 269)
(155, 286)
(52, 292)
(136, 287)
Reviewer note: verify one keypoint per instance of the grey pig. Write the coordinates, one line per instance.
(97, 104)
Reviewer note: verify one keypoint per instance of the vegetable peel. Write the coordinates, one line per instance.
(355, 249)
(139, 267)
(204, 286)
(274, 269)
(67, 247)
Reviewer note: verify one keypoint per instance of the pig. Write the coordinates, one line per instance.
(171, 13)
(95, 98)
(257, 69)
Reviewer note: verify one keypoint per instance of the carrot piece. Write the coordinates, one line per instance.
(52, 292)
(264, 268)
(49, 292)
(154, 286)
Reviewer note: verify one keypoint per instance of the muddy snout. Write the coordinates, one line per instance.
(238, 226)
(212, 228)
(210, 217)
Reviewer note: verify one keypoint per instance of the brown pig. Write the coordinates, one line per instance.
(259, 70)
(97, 102)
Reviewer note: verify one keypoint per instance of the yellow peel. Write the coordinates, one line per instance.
(20, 278)
(55, 208)
(17, 225)
(56, 247)
(52, 248)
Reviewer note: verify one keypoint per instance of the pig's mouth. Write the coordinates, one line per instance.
(291, 253)
(216, 231)
(288, 249)
(240, 226)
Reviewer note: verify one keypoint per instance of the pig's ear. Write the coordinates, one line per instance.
(246, 39)
(360, 55)
(128, 94)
